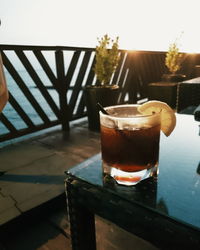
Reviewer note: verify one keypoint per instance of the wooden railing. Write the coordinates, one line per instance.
(46, 84)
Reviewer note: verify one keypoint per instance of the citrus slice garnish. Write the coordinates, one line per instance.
(168, 118)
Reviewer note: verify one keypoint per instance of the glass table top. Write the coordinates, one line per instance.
(176, 193)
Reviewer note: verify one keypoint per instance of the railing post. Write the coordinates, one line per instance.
(62, 90)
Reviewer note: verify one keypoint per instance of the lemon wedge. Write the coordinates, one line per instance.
(168, 118)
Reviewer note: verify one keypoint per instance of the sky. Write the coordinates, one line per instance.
(140, 24)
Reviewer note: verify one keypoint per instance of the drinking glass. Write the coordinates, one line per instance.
(129, 144)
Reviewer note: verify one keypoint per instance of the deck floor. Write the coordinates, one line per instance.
(33, 213)
(32, 171)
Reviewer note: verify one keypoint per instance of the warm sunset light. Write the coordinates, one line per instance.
(99, 124)
(140, 24)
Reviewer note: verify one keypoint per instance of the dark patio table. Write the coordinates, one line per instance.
(165, 212)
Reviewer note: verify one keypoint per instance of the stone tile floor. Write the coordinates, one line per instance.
(33, 170)
(33, 213)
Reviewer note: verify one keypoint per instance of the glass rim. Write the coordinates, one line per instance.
(127, 105)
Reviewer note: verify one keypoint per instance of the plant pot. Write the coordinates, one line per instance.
(106, 95)
(173, 77)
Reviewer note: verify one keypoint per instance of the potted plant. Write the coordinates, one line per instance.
(173, 61)
(166, 90)
(106, 60)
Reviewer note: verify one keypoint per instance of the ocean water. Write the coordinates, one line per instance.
(22, 100)
(13, 88)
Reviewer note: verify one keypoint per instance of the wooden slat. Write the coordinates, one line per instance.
(91, 73)
(156, 63)
(7, 124)
(147, 72)
(44, 64)
(125, 78)
(24, 88)
(89, 81)
(125, 65)
(62, 91)
(132, 81)
(143, 72)
(79, 80)
(72, 68)
(20, 111)
(145, 68)
(38, 82)
(117, 73)
(188, 66)
(160, 64)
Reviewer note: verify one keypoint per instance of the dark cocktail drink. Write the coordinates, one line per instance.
(129, 144)
(130, 150)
